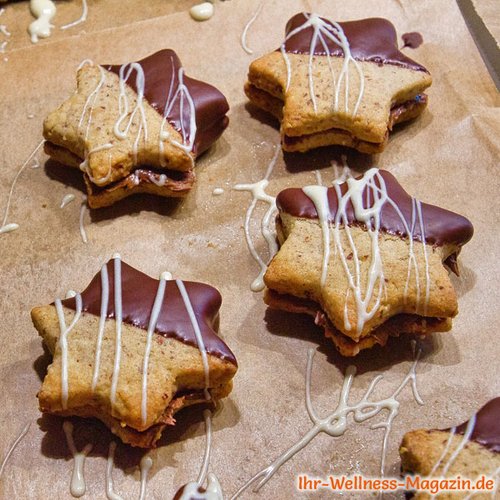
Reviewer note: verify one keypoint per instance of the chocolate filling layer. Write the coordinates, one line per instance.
(138, 295)
(161, 82)
(372, 39)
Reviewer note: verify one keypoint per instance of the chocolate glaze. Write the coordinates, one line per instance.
(372, 39)
(138, 295)
(487, 428)
(210, 105)
(441, 226)
(412, 40)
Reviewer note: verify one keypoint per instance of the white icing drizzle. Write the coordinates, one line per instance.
(217, 191)
(467, 434)
(123, 105)
(70, 294)
(161, 181)
(202, 11)
(146, 464)
(81, 19)
(110, 492)
(199, 337)
(336, 423)
(36, 162)
(13, 446)
(5, 32)
(44, 11)
(368, 298)
(7, 228)
(243, 39)
(67, 199)
(259, 194)
(188, 135)
(63, 344)
(102, 323)
(207, 415)
(334, 33)
(83, 207)
(319, 179)
(118, 321)
(77, 486)
(155, 313)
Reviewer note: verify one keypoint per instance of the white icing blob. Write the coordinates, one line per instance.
(146, 464)
(67, 199)
(83, 207)
(217, 191)
(202, 11)
(44, 11)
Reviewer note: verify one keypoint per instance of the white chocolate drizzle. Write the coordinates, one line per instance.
(202, 11)
(334, 33)
(367, 299)
(336, 423)
(258, 190)
(244, 34)
(13, 446)
(146, 464)
(217, 191)
(44, 11)
(5, 32)
(199, 337)
(7, 228)
(81, 19)
(118, 328)
(63, 344)
(213, 490)
(77, 485)
(67, 199)
(110, 490)
(102, 323)
(83, 208)
(155, 313)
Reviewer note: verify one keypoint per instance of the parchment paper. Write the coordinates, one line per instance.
(447, 157)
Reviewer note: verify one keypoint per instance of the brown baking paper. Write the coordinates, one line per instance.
(447, 157)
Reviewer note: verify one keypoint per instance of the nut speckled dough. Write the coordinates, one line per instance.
(71, 127)
(296, 271)
(175, 376)
(386, 87)
(421, 450)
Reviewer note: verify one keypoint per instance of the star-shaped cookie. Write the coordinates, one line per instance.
(132, 351)
(468, 451)
(338, 83)
(366, 260)
(144, 115)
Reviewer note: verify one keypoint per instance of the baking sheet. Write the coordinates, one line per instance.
(448, 157)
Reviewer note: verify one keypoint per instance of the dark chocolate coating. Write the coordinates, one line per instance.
(487, 428)
(412, 40)
(372, 39)
(441, 227)
(162, 68)
(138, 295)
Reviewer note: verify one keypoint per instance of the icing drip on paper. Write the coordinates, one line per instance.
(77, 485)
(81, 19)
(192, 490)
(118, 327)
(13, 446)
(243, 39)
(67, 199)
(217, 192)
(5, 32)
(259, 194)
(371, 190)
(110, 492)
(83, 207)
(146, 464)
(151, 328)
(202, 12)
(324, 31)
(63, 344)
(44, 11)
(336, 423)
(7, 228)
